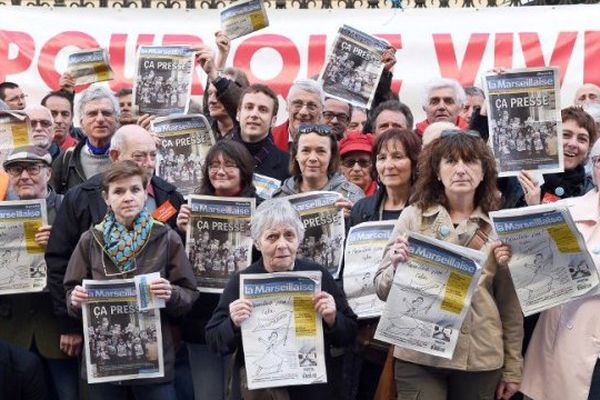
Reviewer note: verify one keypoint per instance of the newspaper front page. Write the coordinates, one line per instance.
(22, 264)
(324, 229)
(550, 263)
(364, 250)
(163, 81)
(524, 120)
(218, 239)
(244, 17)
(121, 342)
(14, 132)
(283, 338)
(354, 67)
(89, 66)
(430, 296)
(184, 143)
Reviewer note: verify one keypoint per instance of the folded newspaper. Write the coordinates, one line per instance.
(14, 132)
(354, 67)
(430, 296)
(524, 120)
(244, 17)
(283, 338)
(550, 263)
(365, 245)
(89, 66)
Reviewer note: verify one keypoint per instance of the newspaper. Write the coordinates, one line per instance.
(283, 338)
(22, 264)
(244, 17)
(354, 67)
(14, 132)
(430, 296)
(218, 239)
(524, 120)
(121, 342)
(265, 185)
(364, 250)
(550, 263)
(184, 143)
(324, 229)
(146, 300)
(89, 66)
(163, 81)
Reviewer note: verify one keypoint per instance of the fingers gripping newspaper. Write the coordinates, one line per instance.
(283, 338)
(364, 250)
(550, 264)
(89, 66)
(121, 342)
(184, 143)
(430, 296)
(22, 264)
(354, 67)
(218, 239)
(325, 232)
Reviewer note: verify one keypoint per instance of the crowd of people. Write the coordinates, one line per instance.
(437, 177)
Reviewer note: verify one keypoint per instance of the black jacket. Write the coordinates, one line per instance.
(269, 160)
(367, 208)
(82, 207)
(224, 338)
(67, 171)
(21, 374)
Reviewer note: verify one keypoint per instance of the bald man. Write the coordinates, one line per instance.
(42, 129)
(587, 93)
(83, 206)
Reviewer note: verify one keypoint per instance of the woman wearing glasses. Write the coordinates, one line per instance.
(314, 165)
(562, 361)
(227, 172)
(454, 191)
(129, 242)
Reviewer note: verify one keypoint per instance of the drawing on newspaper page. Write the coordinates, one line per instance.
(364, 250)
(430, 296)
(283, 338)
(550, 263)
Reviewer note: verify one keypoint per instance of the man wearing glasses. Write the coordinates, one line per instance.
(42, 129)
(12, 95)
(336, 114)
(27, 320)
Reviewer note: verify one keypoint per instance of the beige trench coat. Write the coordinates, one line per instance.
(491, 335)
(566, 342)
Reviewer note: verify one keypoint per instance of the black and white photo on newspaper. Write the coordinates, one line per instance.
(163, 80)
(324, 229)
(121, 342)
(283, 337)
(184, 143)
(218, 239)
(430, 296)
(89, 66)
(23, 268)
(550, 263)
(15, 131)
(524, 120)
(365, 245)
(244, 17)
(353, 67)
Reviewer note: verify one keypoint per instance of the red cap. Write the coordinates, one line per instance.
(356, 141)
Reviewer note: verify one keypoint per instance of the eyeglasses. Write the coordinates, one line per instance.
(454, 132)
(350, 162)
(16, 98)
(44, 123)
(16, 170)
(341, 117)
(297, 105)
(596, 162)
(227, 166)
(319, 129)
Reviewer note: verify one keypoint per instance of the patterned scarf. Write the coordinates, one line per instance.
(122, 244)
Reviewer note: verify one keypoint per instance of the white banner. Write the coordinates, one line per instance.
(458, 43)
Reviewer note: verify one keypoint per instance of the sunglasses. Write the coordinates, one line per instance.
(350, 162)
(319, 129)
(454, 132)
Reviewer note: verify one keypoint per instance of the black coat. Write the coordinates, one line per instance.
(269, 160)
(223, 337)
(83, 207)
(21, 374)
(367, 208)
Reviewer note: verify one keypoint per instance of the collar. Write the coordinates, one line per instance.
(476, 215)
(97, 151)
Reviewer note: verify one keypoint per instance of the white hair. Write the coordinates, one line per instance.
(444, 83)
(98, 92)
(310, 86)
(37, 107)
(275, 212)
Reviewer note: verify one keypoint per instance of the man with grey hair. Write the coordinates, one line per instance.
(304, 106)
(586, 94)
(42, 129)
(84, 206)
(474, 100)
(99, 118)
(443, 101)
